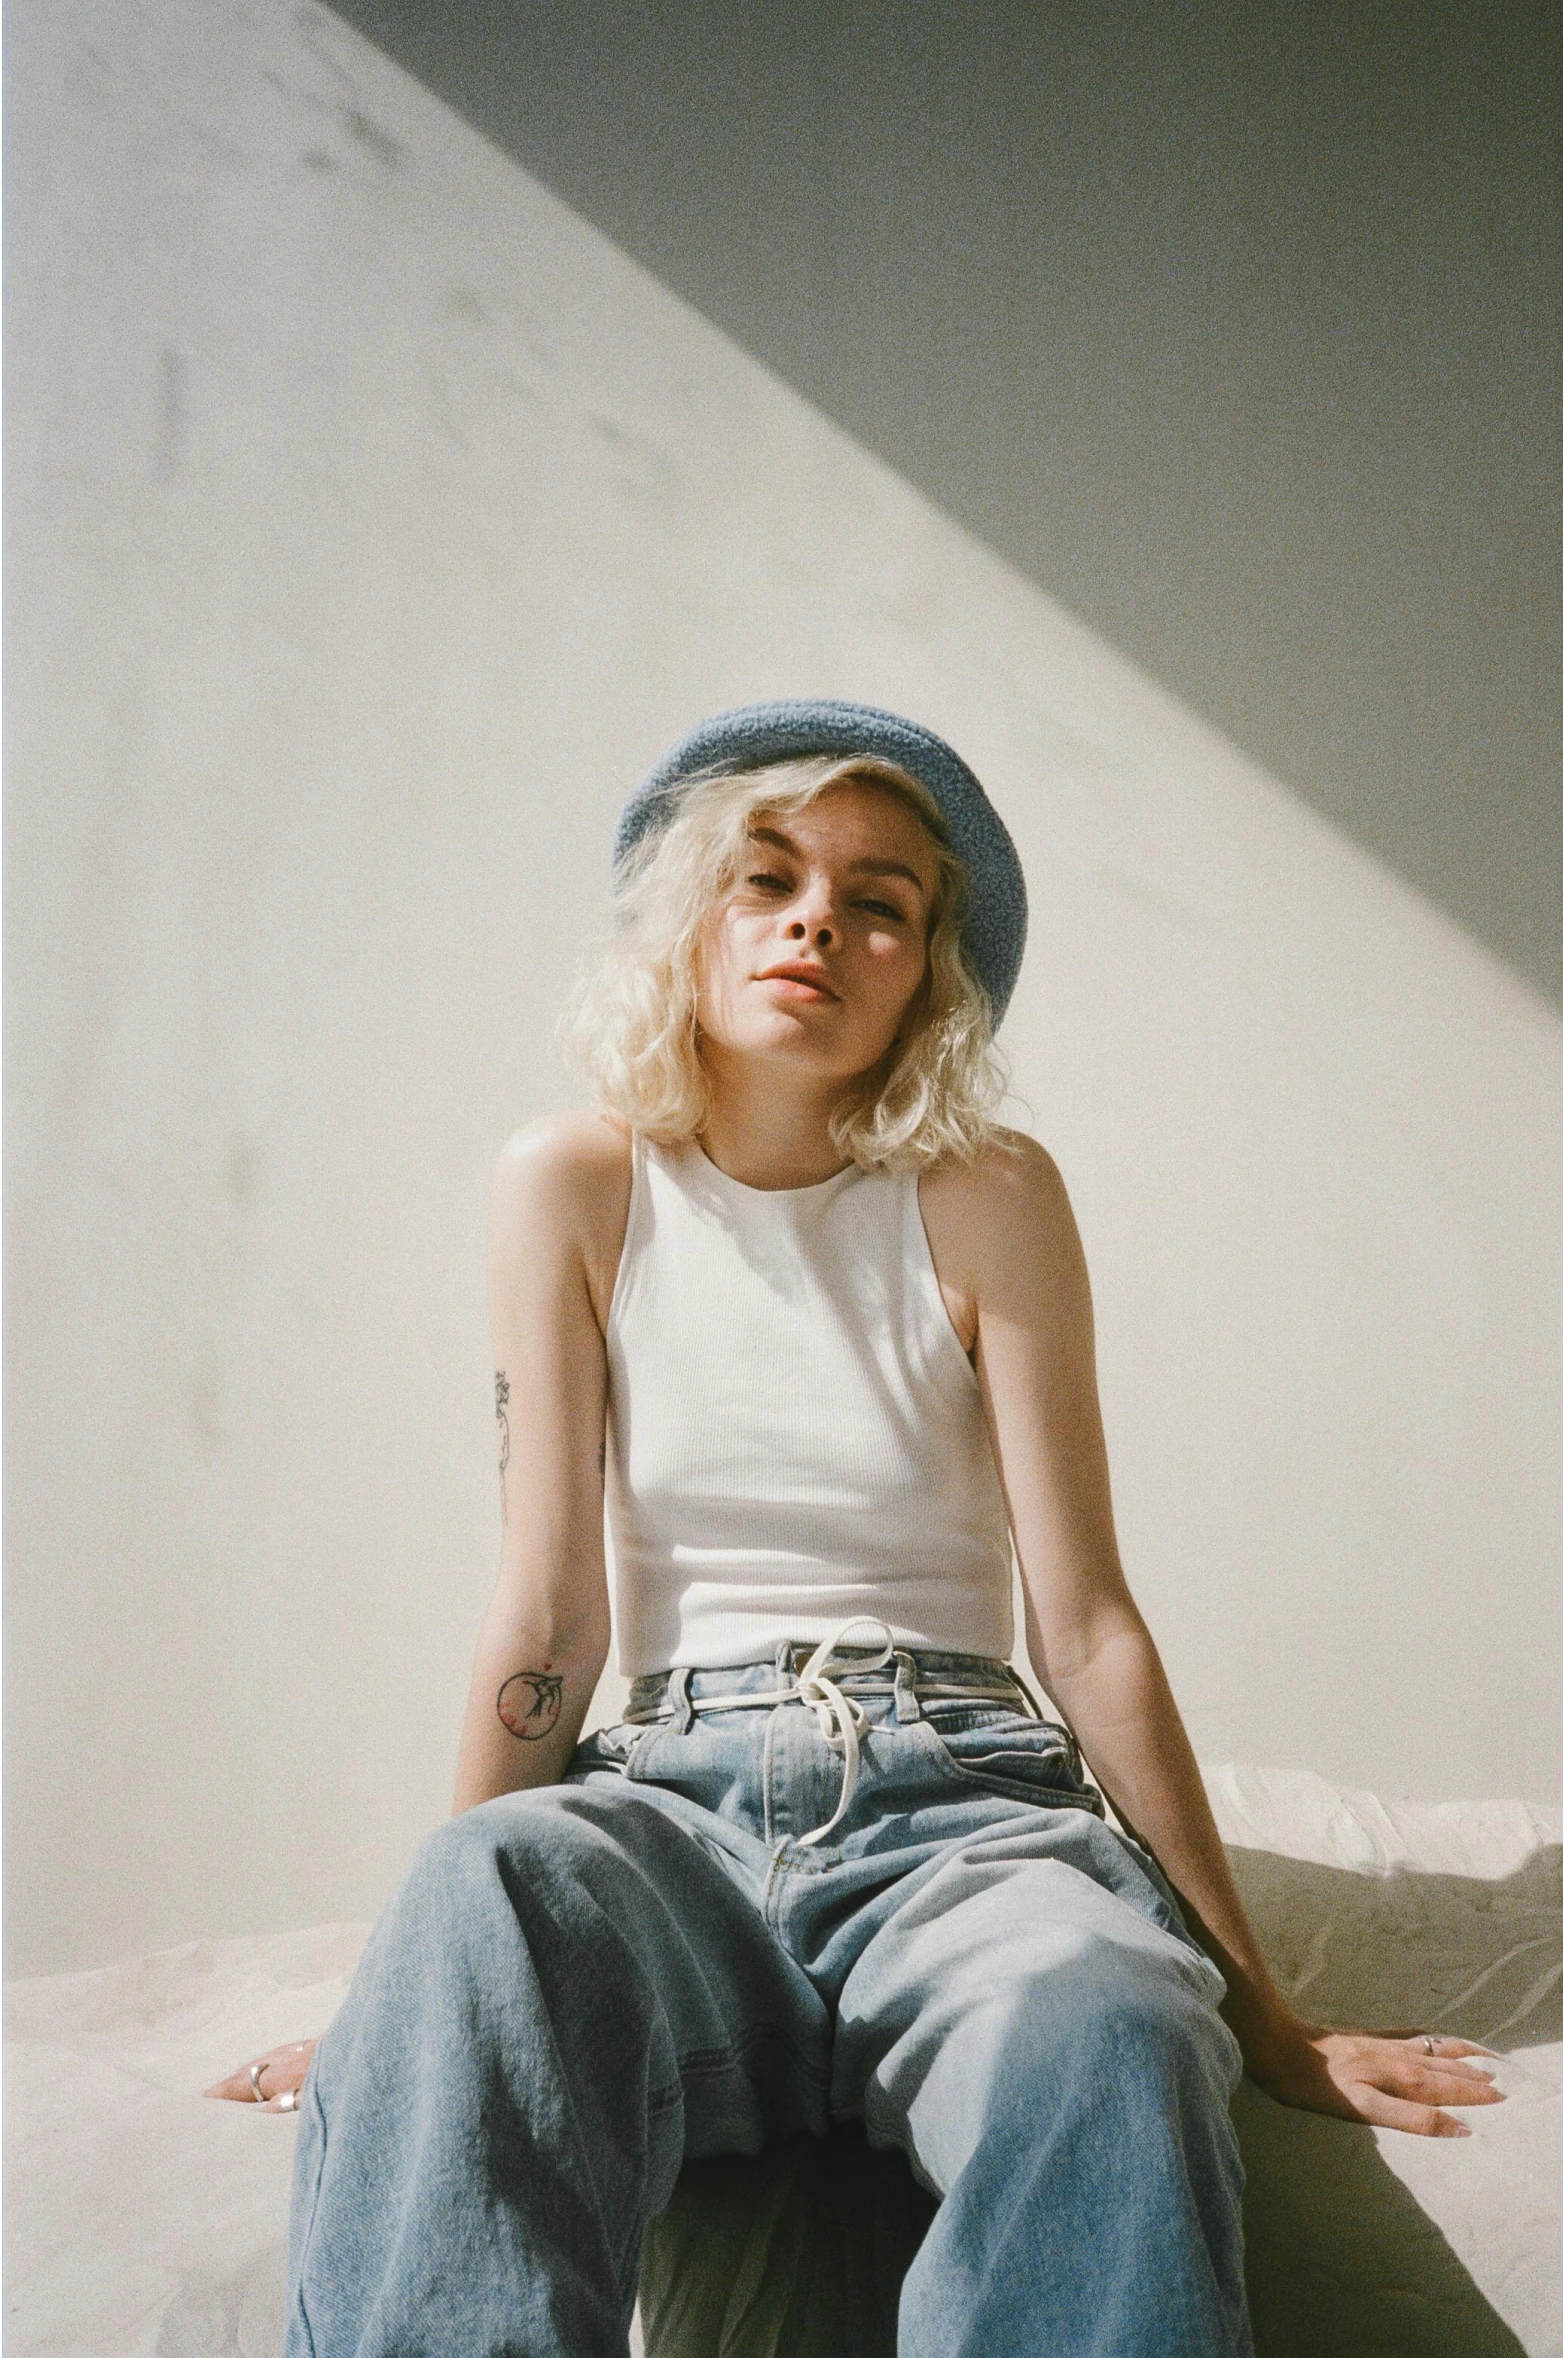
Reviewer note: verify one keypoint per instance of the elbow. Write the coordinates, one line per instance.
(1066, 1655)
(556, 1629)
(581, 1640)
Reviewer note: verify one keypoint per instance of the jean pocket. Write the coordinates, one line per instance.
(607, 1748)
(1010, 1753)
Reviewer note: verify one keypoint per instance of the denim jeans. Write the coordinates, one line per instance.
(576, 1987)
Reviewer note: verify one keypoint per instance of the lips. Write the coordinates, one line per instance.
(813, 978)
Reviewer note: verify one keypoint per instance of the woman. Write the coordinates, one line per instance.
(824, 1330)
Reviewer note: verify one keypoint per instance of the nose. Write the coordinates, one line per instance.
(813, 916)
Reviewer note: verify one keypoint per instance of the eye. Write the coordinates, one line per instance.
(884, 909)
(768, 878)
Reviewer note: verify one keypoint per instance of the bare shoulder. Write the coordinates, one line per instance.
(564, 1154)
(1013, 1177)
(1004, 1212)
(562, 1186)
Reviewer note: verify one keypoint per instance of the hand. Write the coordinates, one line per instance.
(1385, 2077)
(280, 2073)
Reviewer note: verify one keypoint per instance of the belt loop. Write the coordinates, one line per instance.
(678, 1697)
(907, 1706)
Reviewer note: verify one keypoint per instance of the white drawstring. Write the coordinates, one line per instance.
(841, 1719)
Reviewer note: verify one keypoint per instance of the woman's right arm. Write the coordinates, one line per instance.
(558, 1209)
(556, 1221)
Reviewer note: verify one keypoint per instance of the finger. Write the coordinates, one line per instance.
(1385, 2111)
(1444, 2055)
(1443, 2043)
(1455, 2067)
(236, 2088)
(1422, 2079)
(1460, 2087)
(1448, 2079)
(284, 2067)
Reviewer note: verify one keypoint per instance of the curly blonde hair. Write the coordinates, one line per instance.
(631, 1023)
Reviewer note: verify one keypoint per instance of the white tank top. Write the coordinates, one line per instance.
(794, 1432)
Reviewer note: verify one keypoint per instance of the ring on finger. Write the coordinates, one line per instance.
(1429, 2046)
(255, 2081)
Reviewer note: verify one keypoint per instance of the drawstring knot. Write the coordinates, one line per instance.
(841, 1719)
(839, 1716)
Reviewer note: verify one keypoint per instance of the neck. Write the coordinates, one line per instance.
(770, 1128)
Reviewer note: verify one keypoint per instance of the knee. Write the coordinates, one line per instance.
(559, 1865)
(1152, 2022)
(509, 1848)
(513, 1906)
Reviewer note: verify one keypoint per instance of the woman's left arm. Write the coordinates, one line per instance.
(1005, 1242)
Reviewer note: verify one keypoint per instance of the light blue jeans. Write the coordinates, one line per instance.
(578, 1986)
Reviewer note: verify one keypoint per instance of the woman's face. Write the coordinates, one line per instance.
(818, 953)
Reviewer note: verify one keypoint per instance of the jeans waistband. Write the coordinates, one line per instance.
(832, 1682)
(921, 1671)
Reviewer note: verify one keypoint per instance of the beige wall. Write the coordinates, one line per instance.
(373, 523)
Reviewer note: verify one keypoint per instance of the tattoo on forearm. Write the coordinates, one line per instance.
(529, 1704)
(501, 1404)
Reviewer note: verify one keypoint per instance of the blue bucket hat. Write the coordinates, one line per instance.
(994, 933)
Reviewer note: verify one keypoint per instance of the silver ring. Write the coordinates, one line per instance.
(255, 2081)
(1429, 2046)
(288, 2100)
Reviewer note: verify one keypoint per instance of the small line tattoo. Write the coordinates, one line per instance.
(529, 1704)
(501, 1404)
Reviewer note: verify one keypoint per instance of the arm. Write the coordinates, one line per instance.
(1007, 1233)
(557, 1214)
(556, 1221)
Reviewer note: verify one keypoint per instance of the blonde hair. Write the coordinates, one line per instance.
(631, 1023)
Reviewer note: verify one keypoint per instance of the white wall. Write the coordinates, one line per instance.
(373, 524)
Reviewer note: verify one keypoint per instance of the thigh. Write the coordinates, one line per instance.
(631, 1922)
(1036, 1972)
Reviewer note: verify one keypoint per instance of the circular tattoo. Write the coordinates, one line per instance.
(529, 1703)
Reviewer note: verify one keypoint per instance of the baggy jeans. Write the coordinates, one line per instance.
(575, 1987)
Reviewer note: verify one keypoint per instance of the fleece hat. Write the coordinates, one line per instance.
(994, 934)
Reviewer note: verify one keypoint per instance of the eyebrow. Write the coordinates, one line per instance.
(859, 867)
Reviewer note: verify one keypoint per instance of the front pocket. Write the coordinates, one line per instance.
(608, 1748)
(1010, 1753)
(644, 1742)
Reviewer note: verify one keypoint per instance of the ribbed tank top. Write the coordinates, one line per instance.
(794, 1432)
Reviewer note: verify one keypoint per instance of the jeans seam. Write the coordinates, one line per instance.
(766, 1758)
(1015, 1789)
(318, 2114)
(710, 2060)
(1006, 1788)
